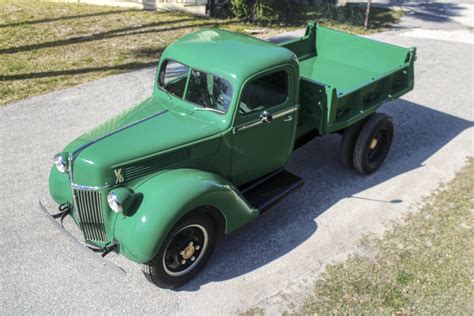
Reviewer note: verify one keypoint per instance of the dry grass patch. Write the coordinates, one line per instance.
(424, 266)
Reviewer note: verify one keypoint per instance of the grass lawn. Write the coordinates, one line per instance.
(424, 266)
(51, 46)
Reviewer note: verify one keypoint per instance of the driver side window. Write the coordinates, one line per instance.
(264, 92)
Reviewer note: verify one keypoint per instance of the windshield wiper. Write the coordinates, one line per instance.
(209, 109)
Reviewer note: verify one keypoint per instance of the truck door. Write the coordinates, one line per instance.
(264, 126)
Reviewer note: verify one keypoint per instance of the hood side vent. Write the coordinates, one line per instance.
(150, 165)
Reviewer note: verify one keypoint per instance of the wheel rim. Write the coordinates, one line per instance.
(377, 147)
(185, 250)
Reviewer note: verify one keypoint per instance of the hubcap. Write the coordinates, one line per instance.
(378, 147)
(188, 252)
(185, 250)
(373, 143)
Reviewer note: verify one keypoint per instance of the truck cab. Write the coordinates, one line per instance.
(253, 101)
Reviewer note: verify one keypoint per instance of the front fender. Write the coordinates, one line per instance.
(167, 197)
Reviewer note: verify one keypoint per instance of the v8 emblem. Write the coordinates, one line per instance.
(118, 176)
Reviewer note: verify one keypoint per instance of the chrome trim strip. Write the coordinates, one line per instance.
(291, 110)
(90, 188)
(210, 110)
(78, 150)
(73, 192)
(258, 122)
(247, 125)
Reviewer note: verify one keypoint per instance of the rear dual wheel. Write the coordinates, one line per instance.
(365, 146)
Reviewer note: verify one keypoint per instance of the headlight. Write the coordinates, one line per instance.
(114, 202)
(60, 161)
(120, 199)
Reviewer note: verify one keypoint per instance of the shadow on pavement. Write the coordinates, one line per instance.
(435, 11)
(420, 132)
(425, 11)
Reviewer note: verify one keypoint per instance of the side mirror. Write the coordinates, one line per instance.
(266, 117)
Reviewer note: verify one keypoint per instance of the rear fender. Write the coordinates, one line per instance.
(169, 196)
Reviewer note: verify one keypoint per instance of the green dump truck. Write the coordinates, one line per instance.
(206, 153)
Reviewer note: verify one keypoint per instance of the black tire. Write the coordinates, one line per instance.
(348, 140)
(171, 268)
(373, 143)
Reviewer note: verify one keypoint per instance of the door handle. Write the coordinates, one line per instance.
(288, 119)
(266, 117)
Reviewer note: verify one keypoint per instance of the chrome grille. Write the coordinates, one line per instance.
(89, 212)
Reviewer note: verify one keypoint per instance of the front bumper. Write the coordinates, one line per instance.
(97, 254)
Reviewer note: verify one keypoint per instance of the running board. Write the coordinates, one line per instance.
(266, 192)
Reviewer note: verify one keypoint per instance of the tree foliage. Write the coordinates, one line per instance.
(259, 11)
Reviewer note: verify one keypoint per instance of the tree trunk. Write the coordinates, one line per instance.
(366, 22)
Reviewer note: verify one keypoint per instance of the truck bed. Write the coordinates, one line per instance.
(335, 74)
(345, 77)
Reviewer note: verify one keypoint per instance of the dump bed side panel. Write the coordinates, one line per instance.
(347, 109)
(351, 75)
(359, 53)
(381, 72)
(304, 47)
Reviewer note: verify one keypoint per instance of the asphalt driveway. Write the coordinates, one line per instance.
(272, 261)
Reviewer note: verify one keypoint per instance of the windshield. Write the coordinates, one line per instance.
(198, 87)
(173, 77)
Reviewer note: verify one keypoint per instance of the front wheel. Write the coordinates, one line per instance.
(184, 253)
(373, 143)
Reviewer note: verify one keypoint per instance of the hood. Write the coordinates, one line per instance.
(140, 136)
(129, 116)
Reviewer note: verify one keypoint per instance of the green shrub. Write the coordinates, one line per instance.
(240, 8)
(262, 11)
(259, 11)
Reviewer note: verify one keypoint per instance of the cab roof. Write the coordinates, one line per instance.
(231, 55)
